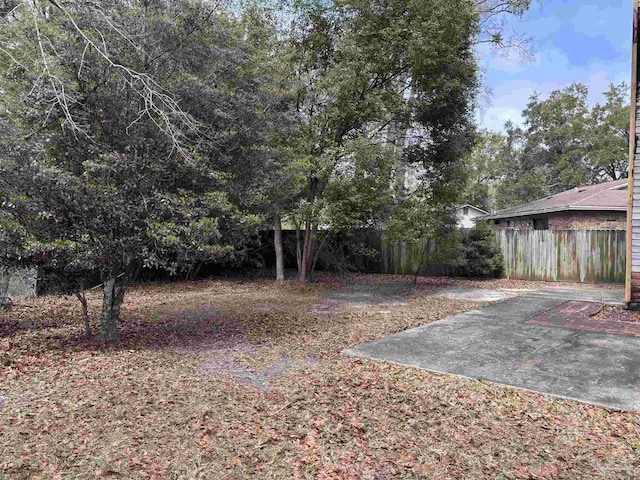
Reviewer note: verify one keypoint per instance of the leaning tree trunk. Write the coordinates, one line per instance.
(277, 242)
(113, 295)
(82, 297)
(306, 254)
(298, 248)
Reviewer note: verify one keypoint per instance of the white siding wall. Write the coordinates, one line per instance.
(635, 211)
(466, 221)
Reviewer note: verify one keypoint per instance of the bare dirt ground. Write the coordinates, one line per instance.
(244, 379)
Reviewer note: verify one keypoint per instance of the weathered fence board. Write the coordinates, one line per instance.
(552, 255)
(564, 255)
(18, 283)
(403, 258)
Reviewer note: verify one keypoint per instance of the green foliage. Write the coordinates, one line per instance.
(344, 253)
(368, 74)
(359, 190)
(105, 179)
(565, 143)
(128, 132)
(480, 256)
(160, 134)
(418, 218)
(609, 135)
(442, 248)
(485, 165)
(394, 81)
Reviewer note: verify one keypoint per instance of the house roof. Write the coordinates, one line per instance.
(608, 196)
(471, 206)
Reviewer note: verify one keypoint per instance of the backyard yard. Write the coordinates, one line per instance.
(245, 378)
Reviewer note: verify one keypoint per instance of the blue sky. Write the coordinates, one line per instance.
(586, 41)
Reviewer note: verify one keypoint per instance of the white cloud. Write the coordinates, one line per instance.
(512, 81)
(598, 82)
(596, 20)
(511, 63)
(494, 118)
(551, 71)
(509, 99)
(552, 58)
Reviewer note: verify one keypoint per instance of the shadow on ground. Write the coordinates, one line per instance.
(365, 292)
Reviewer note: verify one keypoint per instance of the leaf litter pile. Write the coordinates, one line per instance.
(612, 312)
(224, 379)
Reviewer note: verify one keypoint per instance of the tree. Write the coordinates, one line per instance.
(521, 180)
(492, 31)
(560, 125)
(486, 165)
(125, 124)
(609, 135)
(565, 143)
(261, 180)
(365, 72)
(420, 217)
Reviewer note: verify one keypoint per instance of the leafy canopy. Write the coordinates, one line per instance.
(124, 128)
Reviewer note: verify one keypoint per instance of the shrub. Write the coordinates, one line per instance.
(480, 254)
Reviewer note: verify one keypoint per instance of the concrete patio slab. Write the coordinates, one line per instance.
(610, 297)
(503, 344)
(460, 292)
(476, 294)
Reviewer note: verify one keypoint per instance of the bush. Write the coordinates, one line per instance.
(480, 255)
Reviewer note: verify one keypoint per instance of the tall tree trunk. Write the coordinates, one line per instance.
(277, 242)
(5, 276)
(313, 253)
(298, 247)
(113, 295)
(397, 136)
(305, 264)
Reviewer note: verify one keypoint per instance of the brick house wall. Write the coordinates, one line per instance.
(569, 221)
(588, 221)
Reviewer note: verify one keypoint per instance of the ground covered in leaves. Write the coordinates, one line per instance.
(612, 312)
(240, 379)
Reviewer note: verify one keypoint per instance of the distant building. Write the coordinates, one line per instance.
(593, 207)
(467, 214)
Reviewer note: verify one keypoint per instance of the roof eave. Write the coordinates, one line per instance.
(472, 206)
(541, 211)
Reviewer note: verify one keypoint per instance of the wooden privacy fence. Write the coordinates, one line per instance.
(402, 258)
(551, 255)
(564, 255)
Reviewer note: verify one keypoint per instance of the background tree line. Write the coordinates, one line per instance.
(564, 143)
